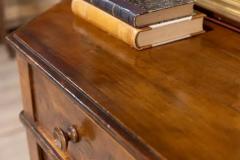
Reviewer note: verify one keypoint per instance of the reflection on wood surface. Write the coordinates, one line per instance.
(227, 8)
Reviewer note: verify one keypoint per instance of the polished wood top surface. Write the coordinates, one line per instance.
(179, 101)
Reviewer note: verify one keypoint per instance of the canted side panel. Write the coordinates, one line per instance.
(27, 99)
(26, 86)
(54, 107)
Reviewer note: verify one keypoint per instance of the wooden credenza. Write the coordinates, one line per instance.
(88, 96)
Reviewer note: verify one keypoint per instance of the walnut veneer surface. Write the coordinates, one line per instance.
(179, 101)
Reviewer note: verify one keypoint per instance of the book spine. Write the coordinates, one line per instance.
(106, 22)
(115, 10)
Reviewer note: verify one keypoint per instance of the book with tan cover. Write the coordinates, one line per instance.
(146, 37)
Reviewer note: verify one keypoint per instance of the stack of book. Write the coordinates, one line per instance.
(142, 23)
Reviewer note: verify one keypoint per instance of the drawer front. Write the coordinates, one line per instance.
(54, 108)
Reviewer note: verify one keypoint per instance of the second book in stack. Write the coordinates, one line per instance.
(145, 24)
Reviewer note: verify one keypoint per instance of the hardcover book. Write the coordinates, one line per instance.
(146, 37)
(140, 13)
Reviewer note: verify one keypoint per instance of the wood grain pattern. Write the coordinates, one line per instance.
(55, 109)
(179, 101)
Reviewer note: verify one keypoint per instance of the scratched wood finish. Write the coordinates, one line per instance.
(179, 101)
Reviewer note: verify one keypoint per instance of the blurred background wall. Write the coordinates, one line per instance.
(17, 12)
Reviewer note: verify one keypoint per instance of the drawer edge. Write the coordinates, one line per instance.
(42, 141)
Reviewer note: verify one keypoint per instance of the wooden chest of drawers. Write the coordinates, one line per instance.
(88, 96)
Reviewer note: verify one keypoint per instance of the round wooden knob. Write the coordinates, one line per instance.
(62, 138)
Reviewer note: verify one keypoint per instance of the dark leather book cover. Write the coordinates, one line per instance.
(128, 10)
